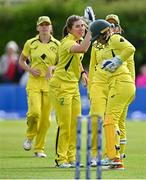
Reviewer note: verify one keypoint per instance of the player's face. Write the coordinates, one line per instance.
(78, 29)
(118, 29)
(104, 37)
(44, 28)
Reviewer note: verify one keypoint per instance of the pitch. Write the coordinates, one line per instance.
(15, 163)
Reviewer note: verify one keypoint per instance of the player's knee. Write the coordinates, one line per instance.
(108, 120)
(34, 115)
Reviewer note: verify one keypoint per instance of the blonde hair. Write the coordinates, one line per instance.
(13, 45)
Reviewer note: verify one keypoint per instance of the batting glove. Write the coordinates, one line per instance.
(89, 15)
(111, 65)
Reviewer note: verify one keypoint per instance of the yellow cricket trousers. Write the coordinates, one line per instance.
(67, 106)
(98, 100)
(121, 94)
(39, 109)
(110, 99)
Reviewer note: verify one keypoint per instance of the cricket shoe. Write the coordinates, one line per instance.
(73, 164)
(27, 144)
(108, 162)
(64, 165)
(93, 162)
(105, 161)
(115, 162)
(40, 155)
(117, 167)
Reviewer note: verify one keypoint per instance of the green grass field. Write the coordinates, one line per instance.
(15, 163)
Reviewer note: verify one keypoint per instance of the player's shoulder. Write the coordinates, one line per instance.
(119, 40)
(117, 37)
(56, 41)
(69, 38)
(68, 41)
(32, 40)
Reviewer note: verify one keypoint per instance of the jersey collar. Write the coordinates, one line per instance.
(70, 36)
(51, 38)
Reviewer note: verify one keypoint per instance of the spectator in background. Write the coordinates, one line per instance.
(9, 69)
(141, 78)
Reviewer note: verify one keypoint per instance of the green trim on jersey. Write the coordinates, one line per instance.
(41, 55)
(68, 68)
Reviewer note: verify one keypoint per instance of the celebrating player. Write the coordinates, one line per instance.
(114, 19)
(65, 91)
(107, 83)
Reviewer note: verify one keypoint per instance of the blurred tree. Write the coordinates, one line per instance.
(18, 21)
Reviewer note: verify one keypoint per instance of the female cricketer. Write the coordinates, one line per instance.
(114, 19)
(42, 52)
(108, 82)
(64, 89)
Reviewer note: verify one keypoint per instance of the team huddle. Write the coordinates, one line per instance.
(55, 68)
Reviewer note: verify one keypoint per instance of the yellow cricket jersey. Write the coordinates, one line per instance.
(116, 46)
(68, 67)
(41, 55)
(131, 67)
(93, 62)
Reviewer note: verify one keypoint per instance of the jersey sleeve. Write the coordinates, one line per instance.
(68, 44)
(26, 49)
(131, 67)
(125, 48)
(91, 66)
(57, 53)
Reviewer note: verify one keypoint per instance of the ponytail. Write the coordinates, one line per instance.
(65, 31)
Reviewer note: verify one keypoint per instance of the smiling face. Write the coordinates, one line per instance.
(78, 29)
(75, 26)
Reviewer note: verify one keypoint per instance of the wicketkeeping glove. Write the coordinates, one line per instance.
(111, 65)
(89, 15)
